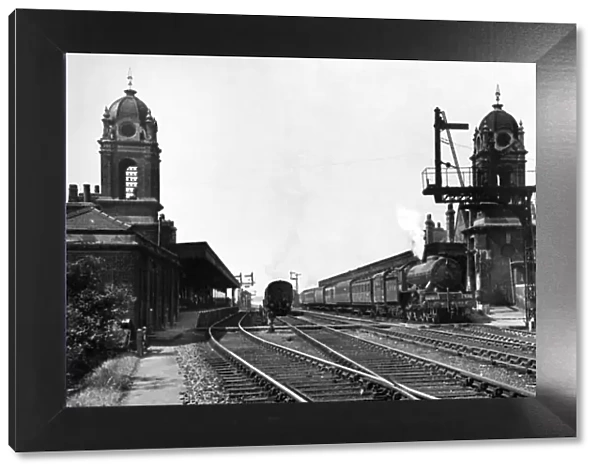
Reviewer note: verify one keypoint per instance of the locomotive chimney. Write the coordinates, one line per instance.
(429, 228)
(87, 197)
(450, 223)
(73, 193)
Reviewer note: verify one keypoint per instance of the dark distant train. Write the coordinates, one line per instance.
(428, 291)
(279, 296)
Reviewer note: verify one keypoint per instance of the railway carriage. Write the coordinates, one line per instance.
(427, 291)
(329, 296)
(361, 294)
(319, 296)
(379, 289)
(307, 297)
(342, 296)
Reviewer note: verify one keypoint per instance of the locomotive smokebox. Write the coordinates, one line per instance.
(444, 274)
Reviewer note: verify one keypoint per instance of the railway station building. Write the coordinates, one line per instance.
(493, 233)
(120, 222)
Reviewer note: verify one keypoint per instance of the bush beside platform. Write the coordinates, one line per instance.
(96, 311)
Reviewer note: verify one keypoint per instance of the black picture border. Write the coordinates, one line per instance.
(39, 40)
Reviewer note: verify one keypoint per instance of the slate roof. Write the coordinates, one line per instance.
(91, 219)
(192, 253)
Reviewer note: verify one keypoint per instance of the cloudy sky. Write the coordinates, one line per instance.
(305, 165)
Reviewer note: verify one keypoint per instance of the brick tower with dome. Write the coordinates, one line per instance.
(493, 233)
(130, 167)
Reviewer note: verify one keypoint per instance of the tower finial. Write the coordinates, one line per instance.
(129, 90)
(497, 105)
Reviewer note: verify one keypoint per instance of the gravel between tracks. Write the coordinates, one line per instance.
(202, 384)
(288, 339)
(497, 373)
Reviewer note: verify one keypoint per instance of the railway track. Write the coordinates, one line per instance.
(486, 345)
(255, 370)
(490, 338)
(432, 378)
(515, 334)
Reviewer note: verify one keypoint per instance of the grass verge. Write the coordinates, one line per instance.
(107, 384)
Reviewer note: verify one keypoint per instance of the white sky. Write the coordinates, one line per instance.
(306, 165)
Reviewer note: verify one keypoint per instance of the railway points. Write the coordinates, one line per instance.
(368, 353)
(491, 347)
(321, 358)
(291, 376)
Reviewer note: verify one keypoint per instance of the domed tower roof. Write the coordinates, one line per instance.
(129, 106)
(498, 119)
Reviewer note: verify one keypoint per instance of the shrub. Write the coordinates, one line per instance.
(94, 314)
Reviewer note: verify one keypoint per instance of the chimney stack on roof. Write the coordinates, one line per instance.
(87, 195)
(429, 227)
(73, 190)
(96, 189)
(450, 223)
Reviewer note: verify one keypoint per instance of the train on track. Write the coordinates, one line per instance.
(278, 300)
(429, 290)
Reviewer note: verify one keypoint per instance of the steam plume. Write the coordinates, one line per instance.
(410, 222)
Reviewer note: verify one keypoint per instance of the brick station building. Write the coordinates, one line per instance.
(493, 235)
(120, 222)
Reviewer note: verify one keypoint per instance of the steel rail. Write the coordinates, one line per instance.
(467, 374)
(405, 391)
(487, 337)
(344, 359)
(521, 362)
(486, 383)
(229, 354)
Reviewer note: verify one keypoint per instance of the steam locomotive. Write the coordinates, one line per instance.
(431, 290)
(279, 296)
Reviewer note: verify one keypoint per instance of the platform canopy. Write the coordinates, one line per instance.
(202, 267)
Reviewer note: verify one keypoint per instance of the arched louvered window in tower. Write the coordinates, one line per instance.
(131, 182)
(128, 179)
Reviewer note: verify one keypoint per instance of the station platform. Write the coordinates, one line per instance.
(157, 380)
(187, 321)
(504, 317)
